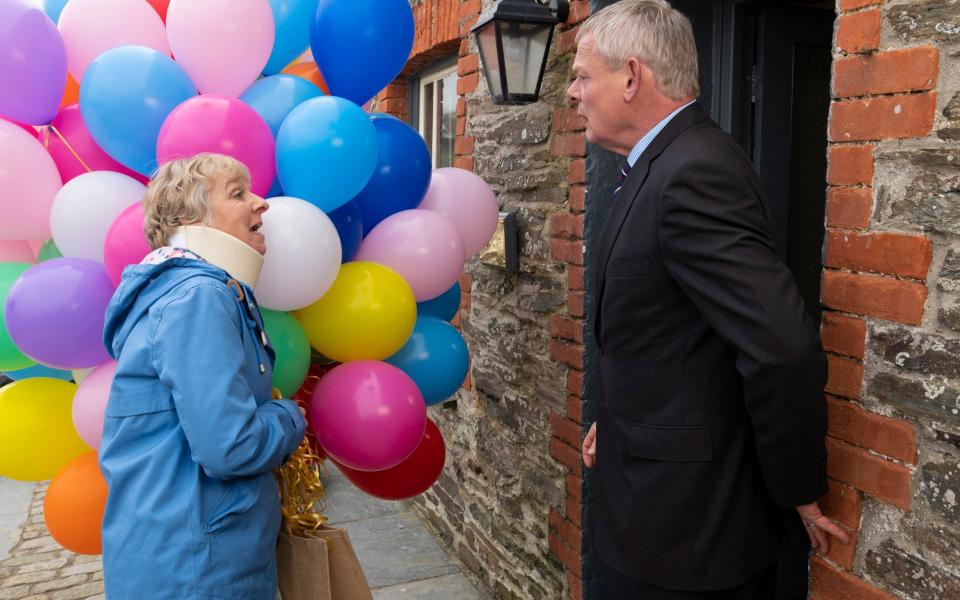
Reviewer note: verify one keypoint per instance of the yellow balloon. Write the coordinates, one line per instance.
(367, 314)
(37, 437)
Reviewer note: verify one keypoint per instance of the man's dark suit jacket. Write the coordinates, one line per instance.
(712, 414)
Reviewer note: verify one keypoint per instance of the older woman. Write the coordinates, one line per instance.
(191, 435)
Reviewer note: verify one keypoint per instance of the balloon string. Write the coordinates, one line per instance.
(301, 490)
(46, 144)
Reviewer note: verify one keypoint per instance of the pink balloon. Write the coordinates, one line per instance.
(91, 27)
(223, 125)
(126, 243)
(467, 201)
(368, 415)
(17, 251)
(71, 127)
(222, 44)
(35, 246)
(422, 246)
(90, 402)
(29, 181)
(28, 128)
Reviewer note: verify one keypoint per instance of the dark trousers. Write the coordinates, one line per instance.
(784, 579)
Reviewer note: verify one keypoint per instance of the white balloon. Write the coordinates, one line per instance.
(86, 207)
(303, 254)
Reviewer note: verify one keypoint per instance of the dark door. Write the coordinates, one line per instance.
(765, 78)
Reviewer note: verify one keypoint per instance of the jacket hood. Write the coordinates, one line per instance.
(141, 287)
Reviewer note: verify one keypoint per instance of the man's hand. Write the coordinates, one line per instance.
(820, 528)
(589, 449)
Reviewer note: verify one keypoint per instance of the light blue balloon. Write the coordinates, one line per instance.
(326, 152)
(291, 19)
(39, 370)
(276, 96)
(445, 306)
(435, 357)
(53, 8)
(361, 45)
(126, 95)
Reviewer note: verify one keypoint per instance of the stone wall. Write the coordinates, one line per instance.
(893, 282)
(508, 501)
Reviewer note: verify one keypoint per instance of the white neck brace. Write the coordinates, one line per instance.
(221, 250)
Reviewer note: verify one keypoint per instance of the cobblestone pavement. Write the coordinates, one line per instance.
(400, 558)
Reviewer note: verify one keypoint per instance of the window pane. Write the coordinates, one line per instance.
(427, 122)
(448, 119)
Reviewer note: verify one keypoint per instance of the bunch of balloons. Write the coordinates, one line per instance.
(366, 242)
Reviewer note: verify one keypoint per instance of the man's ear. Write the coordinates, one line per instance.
(635, 74)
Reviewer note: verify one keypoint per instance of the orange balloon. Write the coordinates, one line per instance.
(310, 72)
(73, 507)
(71, 95)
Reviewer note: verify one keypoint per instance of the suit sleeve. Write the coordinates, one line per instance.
(198, 353)
(717, 246)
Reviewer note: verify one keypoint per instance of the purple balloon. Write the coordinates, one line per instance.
(422, 246)
(54, 313)
(33, 64)
(368, 415)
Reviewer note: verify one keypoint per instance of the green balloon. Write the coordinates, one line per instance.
(11, 359)
(47, 251)
(289, 341)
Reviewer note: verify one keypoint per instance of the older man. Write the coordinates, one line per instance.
(711, 419)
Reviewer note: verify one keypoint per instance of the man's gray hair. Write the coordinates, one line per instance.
(654, 33)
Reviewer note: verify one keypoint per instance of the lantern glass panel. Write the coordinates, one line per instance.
(487, 42)
(524, 50)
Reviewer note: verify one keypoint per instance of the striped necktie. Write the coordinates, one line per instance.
(621, 177)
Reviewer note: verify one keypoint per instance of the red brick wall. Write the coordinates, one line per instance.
(869, 274)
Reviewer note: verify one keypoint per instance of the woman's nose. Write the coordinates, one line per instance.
(260, 205)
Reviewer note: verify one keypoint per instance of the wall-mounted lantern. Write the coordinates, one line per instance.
(514, 41)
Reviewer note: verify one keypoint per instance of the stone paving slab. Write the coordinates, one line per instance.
(15, 498)
(447, 587)
(398, 554)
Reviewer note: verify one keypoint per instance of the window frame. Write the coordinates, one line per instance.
(436, 71)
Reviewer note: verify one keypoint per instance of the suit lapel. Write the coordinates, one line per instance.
(632, 185)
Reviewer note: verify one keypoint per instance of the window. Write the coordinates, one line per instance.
(435, 113)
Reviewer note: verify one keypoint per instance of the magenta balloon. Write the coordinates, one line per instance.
(54, 313)
(90, 403)
(469, 203)
(70, 125)
(211, 123)
(126, 243)
(422, 246)
(368, 415)
(33, 64)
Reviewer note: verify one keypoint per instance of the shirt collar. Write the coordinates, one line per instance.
(646, 139)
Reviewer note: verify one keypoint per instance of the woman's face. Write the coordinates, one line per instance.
(236, 210)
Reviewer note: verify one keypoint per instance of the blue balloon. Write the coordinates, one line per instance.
(350, 227)
(276, 96)
(361, 45)
(435, 357)
(402, 175)
(276, 190)
(326, 152)
(53, 8)
(126, 95)
(445, 306)
(291, 19)
(39, 371)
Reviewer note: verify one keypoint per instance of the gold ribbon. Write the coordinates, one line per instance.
(46, 144)
(301, 490)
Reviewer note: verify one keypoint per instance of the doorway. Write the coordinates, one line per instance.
(765, 68)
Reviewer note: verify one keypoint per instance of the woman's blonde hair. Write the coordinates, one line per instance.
(654, 33)
(179, 193)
